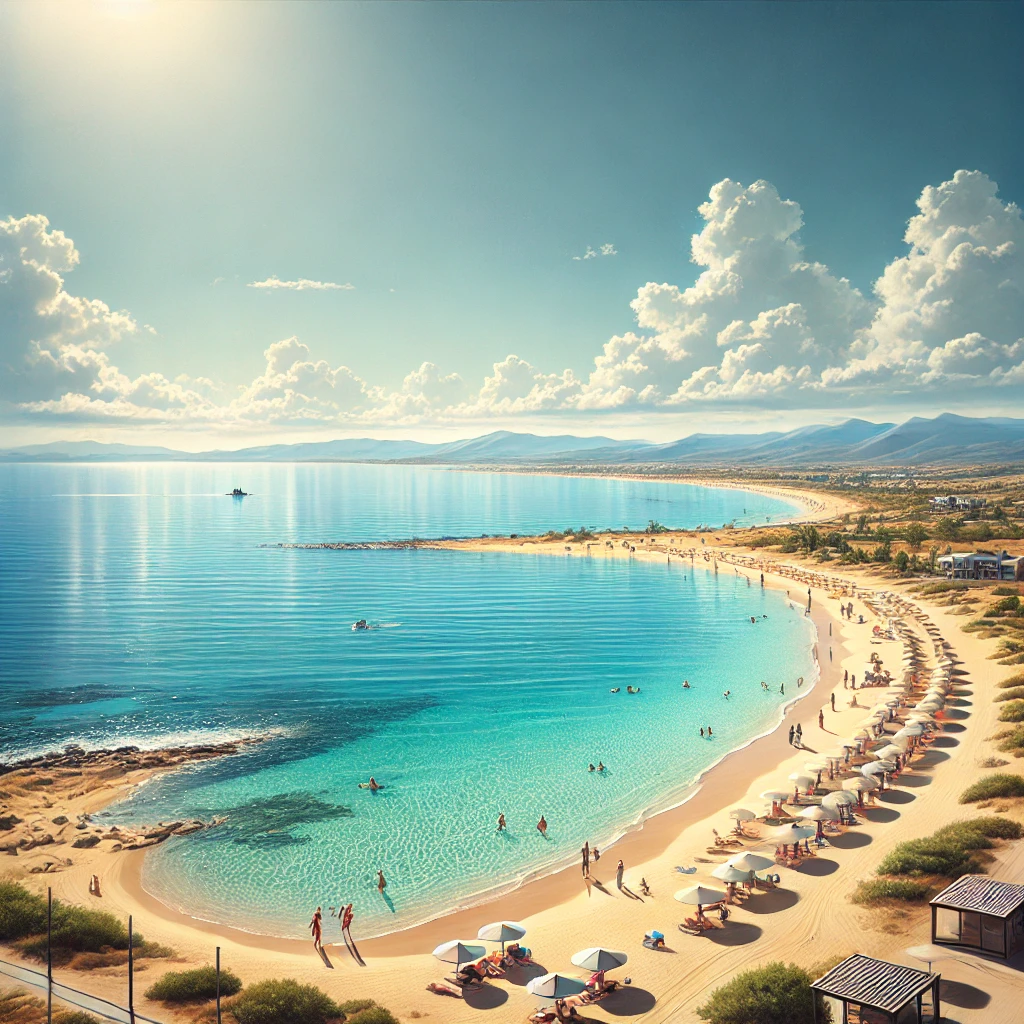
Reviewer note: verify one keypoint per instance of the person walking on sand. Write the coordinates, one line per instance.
(381, 882)
(586, 858)
(821, 719)
(792, 732)
(799, 735)
(832, 698)
(542, 827)
(619, 869)
(316, 928)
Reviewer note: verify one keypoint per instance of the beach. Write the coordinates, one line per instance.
(810, 921)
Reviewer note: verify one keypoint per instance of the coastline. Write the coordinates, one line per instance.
(811, 919)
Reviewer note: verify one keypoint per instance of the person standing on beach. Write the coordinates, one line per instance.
(316, 928)
(792, 732)
(586, 858)
(346, 921)
(381, 882)
(846, 677)
(501, 822)
(821, 719)
(762, 581)
(619, 868)
(542, 827)
(832, 698)
(799, 735)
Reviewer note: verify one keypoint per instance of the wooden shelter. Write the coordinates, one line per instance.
(980, 913)
(863, 990)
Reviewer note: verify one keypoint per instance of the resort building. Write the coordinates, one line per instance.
(951, 503)
(980, 913)
(982, 565)
(862, 990)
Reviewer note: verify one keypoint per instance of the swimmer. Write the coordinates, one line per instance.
(615, 689)
(709, 732)
(726, 694)
(686, 684)
(381, 882)
(782, 688)
(373, 785)
(542, 827)
(501, 822)
(752, 619)
(702, 732)
(600, 766)
(591, 768)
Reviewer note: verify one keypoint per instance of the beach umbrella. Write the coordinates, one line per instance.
(840, 797)
(817, 813)
(729, 873)
(698, 896)
(792, 833)
(862, 784)
(456, 952)
(875, 769)
(899, 742)
(802, 779)
(929, 953)
(777, 796)
(750, 862)
(555, 986)
(502, 931)
(742, 814)
(816, 766)
(911, 729)
(597, 958)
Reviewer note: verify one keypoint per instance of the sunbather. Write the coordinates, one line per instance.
(654, 940)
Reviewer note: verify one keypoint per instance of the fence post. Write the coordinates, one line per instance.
(131, 969)
(49, 956)
(218, 985)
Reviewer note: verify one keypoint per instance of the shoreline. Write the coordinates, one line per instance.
(647, 835)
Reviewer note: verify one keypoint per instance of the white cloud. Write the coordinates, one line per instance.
(759, 325)
(303, 284)
(607, 249)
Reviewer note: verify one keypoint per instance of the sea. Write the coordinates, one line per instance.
(141, 604)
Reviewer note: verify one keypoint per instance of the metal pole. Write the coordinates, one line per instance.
(131, 970)
(218, 985)
(49, 956)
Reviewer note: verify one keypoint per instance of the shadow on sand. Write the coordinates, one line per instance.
(521, 975)
(735, 933)
(772, 902)
(819, 866)
(958, 993)
(914, 781)
(878, 815)
(628, 1002)
(486, 997)
(896, 796)
(852, 840)
(945, 741)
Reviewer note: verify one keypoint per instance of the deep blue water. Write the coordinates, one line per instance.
(136, 605)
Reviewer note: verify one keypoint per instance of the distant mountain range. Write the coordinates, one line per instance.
(944, 440)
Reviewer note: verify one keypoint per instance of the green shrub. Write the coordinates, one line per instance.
(777, 993)
(1013, 693)
(880, 889)
(21, 912)
(992, 786)
(373, 1015)
(1017, 679)
(1013, 712)
(283, 1001)
(193, 986)
(964, 836)
(1013, 741)
(353, 1006)
(997, 828)
(74, 1017)
(929, 856)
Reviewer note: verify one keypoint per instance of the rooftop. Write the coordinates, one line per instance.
(983, 895)
(875, 983)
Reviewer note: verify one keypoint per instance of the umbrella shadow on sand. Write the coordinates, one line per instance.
(521, 975)
(771, 902)
(486, 997)
(628, 1001)
(876, 814)
(735, 933)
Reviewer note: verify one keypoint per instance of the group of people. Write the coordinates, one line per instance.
(796, 735)
(316, 925)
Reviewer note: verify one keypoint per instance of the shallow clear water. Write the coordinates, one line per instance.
(137, 606)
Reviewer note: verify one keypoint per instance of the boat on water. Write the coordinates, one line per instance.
(238, 493)
(361, 624)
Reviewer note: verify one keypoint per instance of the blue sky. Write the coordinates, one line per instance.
(449, 161)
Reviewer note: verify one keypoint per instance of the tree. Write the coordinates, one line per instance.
(948, 529)
(916, 535)
(653, 526)
(777, 993)
(901, 561)
(862, 524)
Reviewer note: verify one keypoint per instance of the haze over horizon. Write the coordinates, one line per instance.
(433, 222)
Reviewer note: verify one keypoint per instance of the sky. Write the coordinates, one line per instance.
(224, 224)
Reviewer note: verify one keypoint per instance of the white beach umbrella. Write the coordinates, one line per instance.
(802, 779)
(777, 796)
(456, 952)
(728, 873)
(816, 766)
(888, 752)
(875, 769)
(597, 958)
(502, 931)
(742, 814)
(750, 862)
(555, 986)
(840, 797)
(817, 813)
(911, 729)
(792, 833)
(901, 743)
(860, 784)
(699, 896)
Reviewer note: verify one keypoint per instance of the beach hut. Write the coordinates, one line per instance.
(980, 913)
(863, 990)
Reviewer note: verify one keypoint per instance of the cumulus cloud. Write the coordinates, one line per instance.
(303, 284)
(759, 324)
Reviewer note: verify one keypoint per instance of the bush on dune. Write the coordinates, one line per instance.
(283, 1001)
(193, 986)
(879, 890)
(777, 993)
(1013, 712)
(21, 912)
(992, 786)
(1017, 679)
(1012, 693)
(373, 1015)
(929, 856)
(1013, 741)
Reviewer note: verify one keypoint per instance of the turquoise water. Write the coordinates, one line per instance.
(137, 606)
